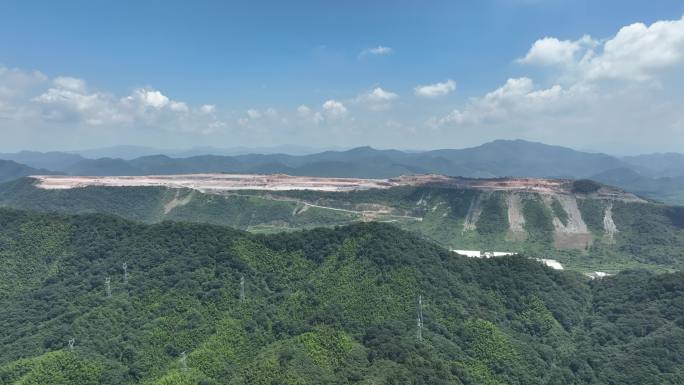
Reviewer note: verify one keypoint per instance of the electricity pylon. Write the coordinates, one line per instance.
(242, 289)
(183, 362)
(420, 318)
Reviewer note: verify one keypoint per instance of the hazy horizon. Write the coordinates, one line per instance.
(287, 148)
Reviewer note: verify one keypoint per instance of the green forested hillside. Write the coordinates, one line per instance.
(325, 306)
(643, 235)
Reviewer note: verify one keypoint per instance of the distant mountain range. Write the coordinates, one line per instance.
(660, 176)
(10, 170)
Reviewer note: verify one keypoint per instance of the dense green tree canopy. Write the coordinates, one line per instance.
(325, 306)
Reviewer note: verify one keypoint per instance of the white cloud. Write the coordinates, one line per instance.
(253, 114)
(208, 108)
(15, 83)
(178, 106)
(517, 96)
(377, 94)
(70, 100)
(334, 109)
(69, 83)
(621, 87)
(303, 111)
(148, 98)
(261, 118)
(637, 52)
(435, 90)
(272, 113)
(551, 51)
(377, 99)
(621, 90)
(306, 113)
(376, 51)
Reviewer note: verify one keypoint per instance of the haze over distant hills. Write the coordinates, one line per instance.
(12, 170)
(132, 152)
(659, 176)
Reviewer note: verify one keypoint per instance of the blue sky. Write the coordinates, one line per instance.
(260, 73)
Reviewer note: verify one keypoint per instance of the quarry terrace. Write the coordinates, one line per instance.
(230, 182)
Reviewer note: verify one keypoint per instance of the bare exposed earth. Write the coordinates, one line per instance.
(228, 182)
(217, 182)
(516, 219)
(609, 227)
(574, 234)
(177, 201)
(474, 212)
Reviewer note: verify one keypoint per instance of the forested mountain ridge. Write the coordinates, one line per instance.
(10, 170)
(583, 230)
(326, 306)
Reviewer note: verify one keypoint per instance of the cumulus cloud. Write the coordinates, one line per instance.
(625, 86)
(597, 91)
(377, 99)
(69, 83)
(71, 100)
(551, 51)
(253, 114)
(266, 117)
(516, 96)
(435, 90)
(334, 109)
(307, 114)
(208, 108)
(304, 111)
(15, 84)
(377, 94)
(376, 51)
(637, 52)
(148, 98)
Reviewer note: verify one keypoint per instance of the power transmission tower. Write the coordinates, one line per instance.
(183, 362)
(72, 341)
(242, 289)
(108, 287)
(420, 318)
(125, 269)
